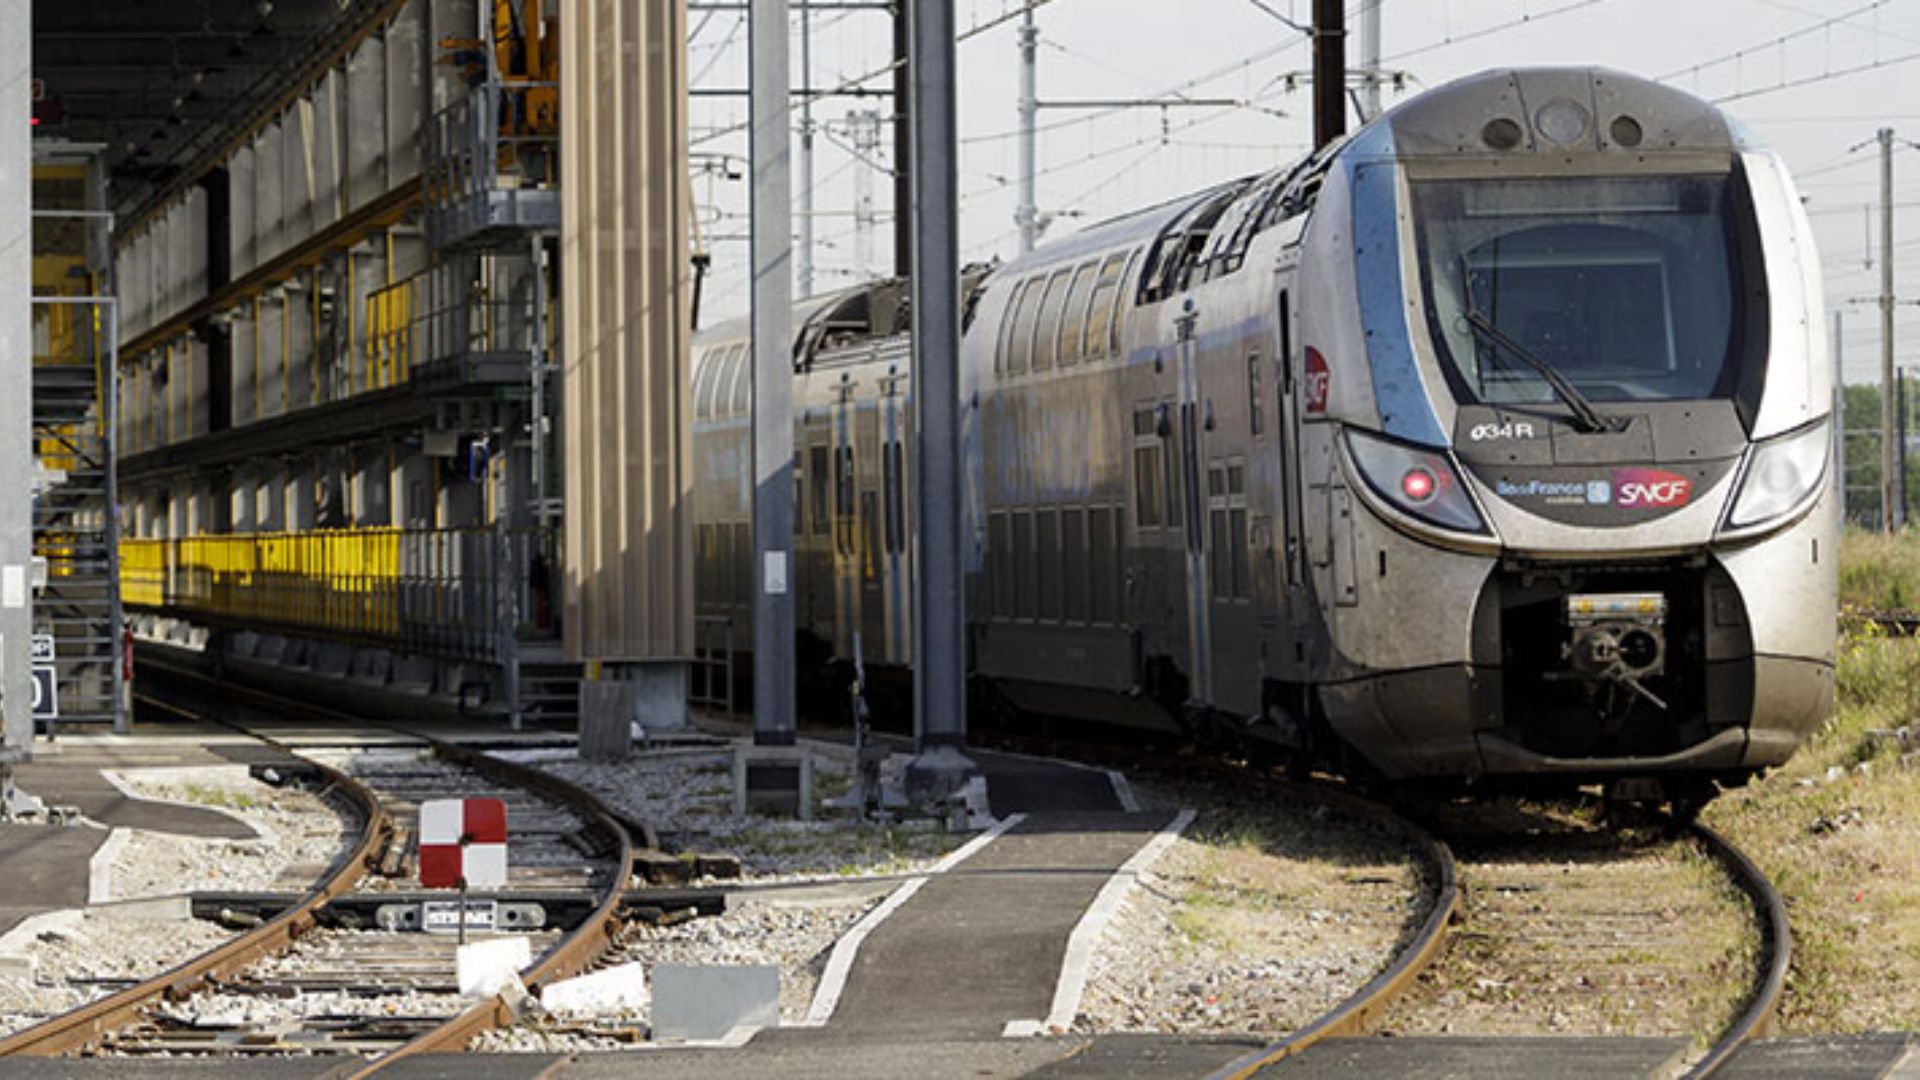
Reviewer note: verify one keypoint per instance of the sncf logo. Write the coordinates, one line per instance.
(1645, 488)
(1318, 381)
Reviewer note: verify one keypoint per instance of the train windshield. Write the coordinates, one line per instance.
(1628, 288)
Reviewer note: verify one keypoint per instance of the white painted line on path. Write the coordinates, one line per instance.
(826, 997)
(1078, 963)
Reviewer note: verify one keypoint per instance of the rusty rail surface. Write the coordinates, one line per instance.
(83, 1029)
(1359, 1013)
(571, 955)
(1770, 911)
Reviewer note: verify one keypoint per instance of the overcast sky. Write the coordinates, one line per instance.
(1815, 78)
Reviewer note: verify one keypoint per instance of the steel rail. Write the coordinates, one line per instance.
(1360, 1012)
(1770, 911)
(573, 954)
(81, 1030)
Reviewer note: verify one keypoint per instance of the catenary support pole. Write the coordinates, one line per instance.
(940, 768)
(1329, 71)
(806, 153)
(902, 143)
(772, 304)
(1370, 60)
(1027, 214)
(1889, 506)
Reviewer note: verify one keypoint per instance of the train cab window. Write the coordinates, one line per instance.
(1020, 353)
(1100, 306)
(1073, 322)
(1149, 475)
(1046, 335)
(1003, 358)
(817, 476)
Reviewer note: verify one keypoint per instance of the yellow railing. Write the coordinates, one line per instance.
(389, 335)
(434, 590)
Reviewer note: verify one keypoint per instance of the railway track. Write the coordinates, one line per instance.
(1895, 623)
(294, 986)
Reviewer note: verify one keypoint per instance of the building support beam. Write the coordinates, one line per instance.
(627, 591)
(16, 373)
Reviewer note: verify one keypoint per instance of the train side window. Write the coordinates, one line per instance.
(1073, 322)
(1003, 357)
(1046, 336)
(1149, 492)
(1119, 309)
(1025, 587)
(1236, 502)
(1020, 354)
(1100, 306)
(742, 387)
(1104, 562)
(718, 391)
(1256, 413)
(702, 379)
(1051, 568)
(1074, 563)
(999, 543)
(1218, 567)
(817, 474)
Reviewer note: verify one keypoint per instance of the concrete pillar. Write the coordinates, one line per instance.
(241, 497)
(302, 507)
(628, 583)
(413, 490)
(372, 487)
(270, 512)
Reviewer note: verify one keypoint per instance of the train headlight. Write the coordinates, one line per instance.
(1781, 474)
(1415, 480)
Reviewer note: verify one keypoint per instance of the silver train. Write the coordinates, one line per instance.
(1490, 442)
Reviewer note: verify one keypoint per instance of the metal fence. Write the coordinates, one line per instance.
(457, 593)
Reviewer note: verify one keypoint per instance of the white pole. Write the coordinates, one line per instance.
(1027, 214)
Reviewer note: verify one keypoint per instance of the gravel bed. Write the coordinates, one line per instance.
(1257, 920)
(299, 834)
(70, 949)
(687, 796)
(794, 932)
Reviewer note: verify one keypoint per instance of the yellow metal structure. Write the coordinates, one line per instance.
(432, 590)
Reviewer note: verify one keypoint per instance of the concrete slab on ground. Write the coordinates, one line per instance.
(43, 868)
(1022, 785)
(1463, 1057)
(983, 943)
(1827, 1057)
(76, 780)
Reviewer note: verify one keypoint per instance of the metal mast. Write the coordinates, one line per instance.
(1370, 60)
(940, 767)
(1329, 71)
(772, 256)
(1027, 214)
(1889, 506)
(806, 150)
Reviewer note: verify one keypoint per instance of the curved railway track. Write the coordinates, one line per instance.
(291, 954)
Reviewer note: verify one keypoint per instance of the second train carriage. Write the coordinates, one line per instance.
(1491, 441)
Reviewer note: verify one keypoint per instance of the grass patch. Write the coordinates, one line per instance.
(1879, 572)
(1838, 844)
(224, 798)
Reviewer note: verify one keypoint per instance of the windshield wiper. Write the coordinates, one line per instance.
(1585, 416)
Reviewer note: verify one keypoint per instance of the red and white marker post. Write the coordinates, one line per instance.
(463, 845)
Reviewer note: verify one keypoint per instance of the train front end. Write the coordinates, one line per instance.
(1568, 407)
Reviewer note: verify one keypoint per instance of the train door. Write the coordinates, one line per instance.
(1187, 454)
(1290, 538)
(846, 521)
(872, 621)
(895, 436)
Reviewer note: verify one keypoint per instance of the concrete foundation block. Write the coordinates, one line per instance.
(660, 696)
(413, 674)
(606, 719)
(270, 648)
(298, 655)
(775, 780)
(371, 666)
(241, 646)
(484, 968)
(332, 660)
(707, 1002)
(612, 992)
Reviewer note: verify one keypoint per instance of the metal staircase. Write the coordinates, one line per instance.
(77, 623)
